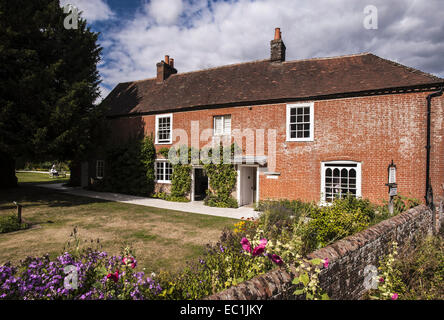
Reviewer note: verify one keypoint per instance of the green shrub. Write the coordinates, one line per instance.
(400, 204)
(342, 218)
(416, 274)
(222, 265)
(129, 168)
(212, 200)
(169, 197)
(10, 224)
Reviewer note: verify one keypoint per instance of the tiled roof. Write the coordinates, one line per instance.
(262, 81)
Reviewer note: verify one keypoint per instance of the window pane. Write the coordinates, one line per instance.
(300, 122)
(163, 127)
(227, 124)
(340, 181)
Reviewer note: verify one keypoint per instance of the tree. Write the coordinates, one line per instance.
(48, 85)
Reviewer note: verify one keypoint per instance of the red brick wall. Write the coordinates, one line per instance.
(372, 130)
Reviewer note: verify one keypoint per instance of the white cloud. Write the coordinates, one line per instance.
(200, 34)
(165, 12)
(93, 10)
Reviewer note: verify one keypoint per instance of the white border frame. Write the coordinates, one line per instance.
(155, 171)
(167, 115)
(287, 123)
(338, 162)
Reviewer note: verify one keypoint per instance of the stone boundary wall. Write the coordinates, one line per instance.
(344, 277)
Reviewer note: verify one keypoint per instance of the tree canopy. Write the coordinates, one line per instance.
(48, 82)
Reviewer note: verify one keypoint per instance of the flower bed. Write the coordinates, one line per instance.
(280, 238)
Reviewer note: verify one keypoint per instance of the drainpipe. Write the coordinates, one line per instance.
(429, 193)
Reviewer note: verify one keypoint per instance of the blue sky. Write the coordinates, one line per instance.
(135, 34)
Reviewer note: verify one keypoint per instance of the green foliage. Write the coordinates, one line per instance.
(222, 179)
(389, 280)
(10, 224)
(169, 197)
(223, 265)
(181, 177)
(164, 152)
(415, 274)
(212, 200)
(44, 166)
(307, 280)
(400, 204)
(330, 223)
(181, 180)
(49, 82)
(130, 168)
(148, 156)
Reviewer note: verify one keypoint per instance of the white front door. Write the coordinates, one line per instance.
(247, 185)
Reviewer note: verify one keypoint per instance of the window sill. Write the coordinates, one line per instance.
(300, 140)
(162, 181)
(163, 143)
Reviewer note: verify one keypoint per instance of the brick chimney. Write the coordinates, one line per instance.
(277, 47)
(165, 68)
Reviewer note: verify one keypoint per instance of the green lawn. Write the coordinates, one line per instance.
(35, 177)
(162, 239)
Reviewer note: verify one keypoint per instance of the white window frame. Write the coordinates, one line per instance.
(300, 105)
(161, 116)
(223, 133)
(164, 162)
(97, 169)
(337, 164)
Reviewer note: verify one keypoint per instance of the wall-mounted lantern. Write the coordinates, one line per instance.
(393, 187)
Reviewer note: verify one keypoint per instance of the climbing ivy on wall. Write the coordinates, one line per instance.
(181, 181)
(222, 176)
(181, 177)
(222, 180)
(129, 168)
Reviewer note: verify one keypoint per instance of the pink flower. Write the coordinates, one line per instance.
(246, 244)
(114, 276)
(276, 259)
(260, 248)
(381, 279)
(394, 296)
(325, 261)
(258, 251)
(128, 260)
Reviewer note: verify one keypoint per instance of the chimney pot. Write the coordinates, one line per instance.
(171, 62)
(277, 33)
(167, 59)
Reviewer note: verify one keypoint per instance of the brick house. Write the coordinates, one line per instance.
(330, 126)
